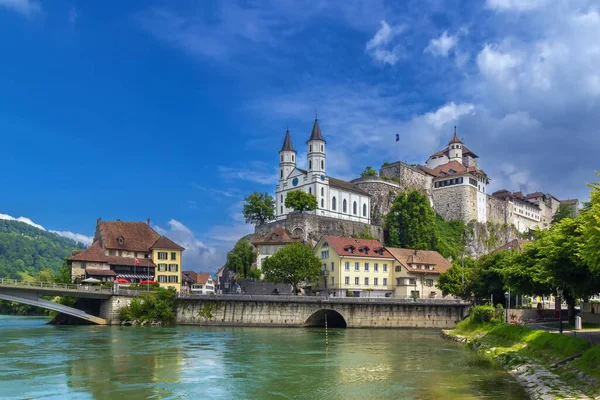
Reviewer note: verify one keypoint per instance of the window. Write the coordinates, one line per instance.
(292, 157)
(322, 164)
(173, 267)
(429, 282)
(325, 254)
(163, 255)
(324, 268)
(162, 267)
(398, 282)
(384, 281)
(366, 267)
(173, 278)
(412, 281)
(332, 281)
(333, 204)
(281, 208)
(111, 252)
(310, 147)
(310, 190)
(366, 281)
(309, 165)
(397, 268)
(344, 206)
(357, 266)
(173, 256)
(282, 157)
(364, 210)
(162, 279)
(322, 203)
(321, 147)
(347, 266)
(281, 175)
(357, 281)
(83, 264)
(354, 208)
(376, 267)
(384, 267)
(375, 281)
(332, 266)
(347, 280)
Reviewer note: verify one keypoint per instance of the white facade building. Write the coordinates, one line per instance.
(335, 198)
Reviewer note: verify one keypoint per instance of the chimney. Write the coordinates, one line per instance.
(148, 221)
(98, 221)
(416, 252)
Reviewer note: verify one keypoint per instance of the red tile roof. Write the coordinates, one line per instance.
(203, 278)
(457, 167)
(95, 253)
(455, 139)
(100, 272)
(165, 243)
(421, 257)
(341, 244)
(277, 236)
(446, 151)
(132, 236)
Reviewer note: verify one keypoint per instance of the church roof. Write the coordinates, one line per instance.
(348, 186)
(455, 139)
(316, 132)
(287, 142)
(445, 152)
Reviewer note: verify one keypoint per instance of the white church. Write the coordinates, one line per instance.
(335, 198)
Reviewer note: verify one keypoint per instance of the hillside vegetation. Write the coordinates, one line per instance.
(25, 251)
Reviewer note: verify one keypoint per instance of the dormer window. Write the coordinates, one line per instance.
(349, 249)
(325, 244)
(364, 249)
(121, 240)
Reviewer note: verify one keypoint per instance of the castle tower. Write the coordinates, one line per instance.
(287, 157)
(455, 148)
(316, 151)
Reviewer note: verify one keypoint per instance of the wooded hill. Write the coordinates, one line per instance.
(26, 250)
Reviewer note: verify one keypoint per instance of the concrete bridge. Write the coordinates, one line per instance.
(297, 311)
(31, 293)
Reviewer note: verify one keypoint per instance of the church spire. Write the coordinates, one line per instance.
(316, 131)
(455, 139)
(287, 142)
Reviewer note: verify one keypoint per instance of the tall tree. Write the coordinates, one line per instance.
(241, 257)
(451, 281)
(369, 171)
(563, 211)
(259, 208)
(292, 264)
(411, 222)
(590, 229)
(301, 201)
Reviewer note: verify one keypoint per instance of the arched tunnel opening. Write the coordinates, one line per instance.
(334, 319)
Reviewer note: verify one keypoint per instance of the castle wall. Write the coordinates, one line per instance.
(456, 202)
(382, 194)
(498, 211)
(409, 177)
(310, 227)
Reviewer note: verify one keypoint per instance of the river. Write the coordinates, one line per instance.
(99, 362)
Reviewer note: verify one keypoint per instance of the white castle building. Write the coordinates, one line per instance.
(335, 198)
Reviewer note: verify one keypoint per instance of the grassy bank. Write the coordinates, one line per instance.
(513, 346)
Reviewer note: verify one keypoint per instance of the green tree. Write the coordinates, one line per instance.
(254, 273)
(292, 264)
(45, 276)
(241, 257)
(259, 208)
(563, 211)
(369, 171)
(488, 278)
(590, 229)
(451, 237)
(64, 274)
(451, 281)
(301, 201)
(411, 222)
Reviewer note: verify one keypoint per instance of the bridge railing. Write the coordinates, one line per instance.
(54, 285)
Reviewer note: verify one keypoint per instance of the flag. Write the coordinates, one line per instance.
(397, 137)
(137, 261)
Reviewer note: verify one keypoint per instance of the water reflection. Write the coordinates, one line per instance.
(251, 363)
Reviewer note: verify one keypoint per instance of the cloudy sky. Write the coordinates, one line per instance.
(175, 110)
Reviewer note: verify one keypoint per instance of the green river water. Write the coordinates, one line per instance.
(40, 361)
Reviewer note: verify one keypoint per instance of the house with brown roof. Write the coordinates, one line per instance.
(269, 243)
(353, 268)
(335, 198)
(199, 283)
(129, 250)
(416, 272)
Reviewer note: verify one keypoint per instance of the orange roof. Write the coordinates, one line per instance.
(341, 245)
(421, 257)
(455, 139)
(202, 278)
(457, 168)
(165, 243)
(95, 253)
(132, 236)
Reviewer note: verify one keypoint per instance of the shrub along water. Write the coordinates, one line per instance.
(155, 306)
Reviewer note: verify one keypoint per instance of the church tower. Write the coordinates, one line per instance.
(455, 148)
(316, 151)
(287, 157)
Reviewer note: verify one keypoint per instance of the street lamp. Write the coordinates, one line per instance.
(507, 297)
(559, 292)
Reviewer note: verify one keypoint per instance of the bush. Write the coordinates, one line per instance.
(151, 306)
(481, 314)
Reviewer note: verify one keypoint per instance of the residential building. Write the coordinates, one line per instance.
(335, 198)
(128, 250)
(353, 268)
(416, 272)
(199, 283)
(268, 244)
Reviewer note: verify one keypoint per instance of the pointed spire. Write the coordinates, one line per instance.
(455, 139)
(287, 142)
(316, 130)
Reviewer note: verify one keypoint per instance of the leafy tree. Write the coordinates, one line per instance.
(366, 234)
(259, 208)
(488, 278)
(45, 276)
(292, 264)
(369, 171)
(590, 229)
(451, 237)
(301, 201)
(64, 274)
(563, 211)
(254, 273)
(451, 281)
(241, 257)
(411, 222)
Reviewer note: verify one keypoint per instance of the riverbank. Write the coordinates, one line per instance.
(548, 365)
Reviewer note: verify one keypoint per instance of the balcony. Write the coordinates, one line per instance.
(325, 272)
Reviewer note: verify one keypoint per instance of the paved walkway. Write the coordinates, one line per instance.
(591, 335)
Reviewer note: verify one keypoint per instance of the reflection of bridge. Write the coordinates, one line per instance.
(31, 293)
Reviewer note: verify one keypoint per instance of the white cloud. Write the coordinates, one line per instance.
(197, 256)
(516, 5)
(256, 171)
(381, 47)
(28, 8)
(447, 113)
(495, 63)
(78, 237)
(442, 46)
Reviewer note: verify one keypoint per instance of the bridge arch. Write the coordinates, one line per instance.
(334, 319)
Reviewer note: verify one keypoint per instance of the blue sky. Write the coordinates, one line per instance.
(176, 110)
